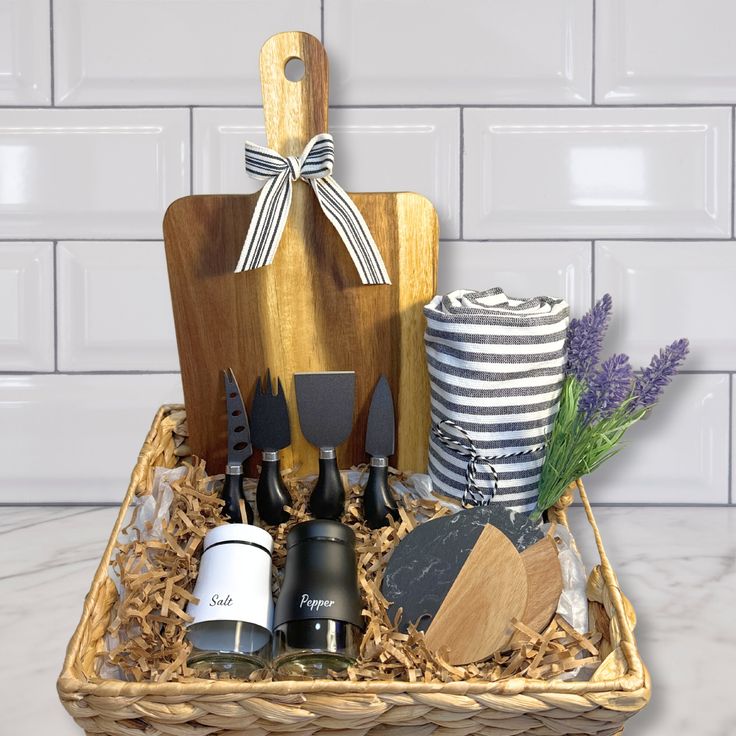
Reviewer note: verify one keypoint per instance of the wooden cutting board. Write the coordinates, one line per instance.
(308, 311)
(474, 620)
(544, 582)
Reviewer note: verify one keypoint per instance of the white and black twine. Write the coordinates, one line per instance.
(473, 495)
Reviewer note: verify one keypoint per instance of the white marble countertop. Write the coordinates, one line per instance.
(677, 565)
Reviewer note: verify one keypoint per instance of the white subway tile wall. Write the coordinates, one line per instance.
(571, 147)
(679, 454)
(684, 54)
(155, 52)
(75, 438)
(90, 173)
(671, 289)
(597, 173)
(475, 52)
(25, 52)
(26, 306)
(114, 309)
(523, 268)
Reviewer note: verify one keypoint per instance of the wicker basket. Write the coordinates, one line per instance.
(619, 688)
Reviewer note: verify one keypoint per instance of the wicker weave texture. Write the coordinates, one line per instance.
(619, 688)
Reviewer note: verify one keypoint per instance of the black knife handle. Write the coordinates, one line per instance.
(328, 495)
(232, 492)
(378, 501)
(272, 494)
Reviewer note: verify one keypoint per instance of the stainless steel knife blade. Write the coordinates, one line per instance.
(239, 447)
(381, 429)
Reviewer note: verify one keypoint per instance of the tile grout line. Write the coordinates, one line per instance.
(398, 106)
(48, 239)
(144, 372)
(112, 372)
(322, 21)
(461, 173)
(51, 53)
(136, 239)
(191, 150)
(593, 101)
(592, 273)
(706, 372)
(460, 241)
(55, 252)
(723, 239)
(733, 166)
(730, 440)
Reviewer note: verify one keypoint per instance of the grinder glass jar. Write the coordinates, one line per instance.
(231, 630)
(317, 622)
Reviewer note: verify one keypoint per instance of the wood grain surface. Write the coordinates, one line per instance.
(544, 582)
(308, 311)
(474, 620)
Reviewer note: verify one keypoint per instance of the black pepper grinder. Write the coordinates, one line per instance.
(318, 624)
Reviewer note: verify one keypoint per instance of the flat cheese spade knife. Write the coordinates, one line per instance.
(326, 402)
(378, 503)
(239, 449)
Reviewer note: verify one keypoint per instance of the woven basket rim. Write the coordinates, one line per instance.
(636, 679)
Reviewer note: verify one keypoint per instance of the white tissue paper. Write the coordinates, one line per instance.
(573, 603)
(151, 514)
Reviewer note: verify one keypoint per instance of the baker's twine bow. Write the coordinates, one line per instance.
(272, 208)
(473, 495)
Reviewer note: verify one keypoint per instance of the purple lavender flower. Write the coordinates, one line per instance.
(651, 382)
(585, 339)
(607, 389)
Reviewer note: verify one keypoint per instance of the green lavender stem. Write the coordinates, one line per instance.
(577, 448)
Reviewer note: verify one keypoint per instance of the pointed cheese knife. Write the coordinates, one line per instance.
(239, 449)
(378, 503)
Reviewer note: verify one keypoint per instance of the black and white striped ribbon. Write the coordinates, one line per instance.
(473, 495)
(268, 221)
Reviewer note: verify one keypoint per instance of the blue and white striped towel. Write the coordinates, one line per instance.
(496, 367)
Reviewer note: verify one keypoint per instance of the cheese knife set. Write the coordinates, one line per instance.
(325, 403)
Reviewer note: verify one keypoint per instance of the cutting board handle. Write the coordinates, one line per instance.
(294, 112)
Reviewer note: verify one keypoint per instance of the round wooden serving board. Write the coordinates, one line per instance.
(474, 620)
(544, 580)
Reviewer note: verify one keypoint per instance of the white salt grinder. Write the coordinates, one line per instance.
(233, 621)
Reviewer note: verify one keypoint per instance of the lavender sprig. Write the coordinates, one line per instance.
(650, 383)
(598, 403)
(608, 388)
(585, 339)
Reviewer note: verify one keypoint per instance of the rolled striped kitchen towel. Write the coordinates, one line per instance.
(496, 367)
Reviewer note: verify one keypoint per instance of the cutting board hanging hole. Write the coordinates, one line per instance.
(294, 69)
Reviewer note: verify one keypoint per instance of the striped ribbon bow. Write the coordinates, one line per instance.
(272, 208)
(463, 445)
